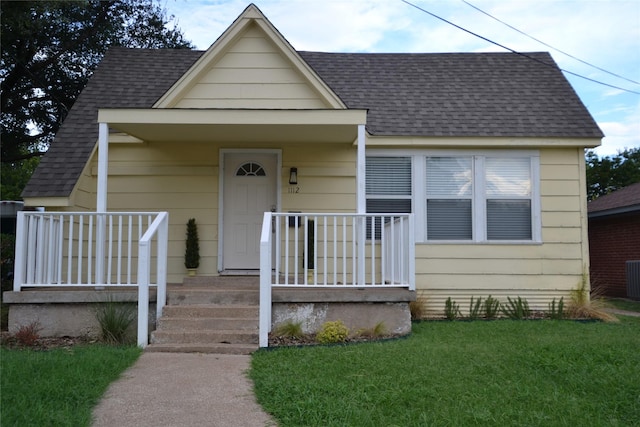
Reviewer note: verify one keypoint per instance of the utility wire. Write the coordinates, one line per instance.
(548, 45)
(516, 52)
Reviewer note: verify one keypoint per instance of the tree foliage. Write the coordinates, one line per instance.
(611, 173)
(49, 51)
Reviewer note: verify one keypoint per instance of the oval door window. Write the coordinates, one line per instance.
(251, 169)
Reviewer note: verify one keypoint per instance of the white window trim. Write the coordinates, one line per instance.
(418, 197)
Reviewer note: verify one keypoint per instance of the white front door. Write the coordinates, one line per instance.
(250, 181)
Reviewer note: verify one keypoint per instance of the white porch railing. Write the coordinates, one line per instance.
(89, 249)
(333, 250)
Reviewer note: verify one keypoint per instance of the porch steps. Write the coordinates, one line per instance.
(209, 315)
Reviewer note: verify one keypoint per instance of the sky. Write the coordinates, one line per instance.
(603, 33)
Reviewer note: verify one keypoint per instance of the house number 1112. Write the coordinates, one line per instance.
(294, 190)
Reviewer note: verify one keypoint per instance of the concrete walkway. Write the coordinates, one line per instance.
(619, 312)
(178, 389)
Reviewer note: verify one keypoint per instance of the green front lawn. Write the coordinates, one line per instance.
(533, 373)
(58, 387)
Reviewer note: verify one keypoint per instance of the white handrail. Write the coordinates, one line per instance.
(265, 281)
(160, 227)
(89, 249)
(333, 250)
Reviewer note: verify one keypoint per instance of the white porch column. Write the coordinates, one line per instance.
(361, 189)
(103, 162)
(101, 201)
(361, 172)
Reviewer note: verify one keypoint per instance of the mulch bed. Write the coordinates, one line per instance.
(44, 344)
(310, 339)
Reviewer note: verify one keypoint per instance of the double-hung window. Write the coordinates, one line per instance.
(490, 196)
(508, 198)
(388, 188)
(449, 188)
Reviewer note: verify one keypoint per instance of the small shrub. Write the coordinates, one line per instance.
(556, 311)
(27, 335)
(451, 309)
(516, 309)
(192, 250)
(416, 308)
(377, 331)
(289, 329)
(474, 308)
(115, 319)
(588, 305)
(332, 332)
(491, 307)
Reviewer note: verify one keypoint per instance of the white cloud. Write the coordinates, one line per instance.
(621, 134)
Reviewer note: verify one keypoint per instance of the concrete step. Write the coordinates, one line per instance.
(207, 323)
(231, 282)
(203, 348)
(210, 315)
(211, 310)
(199, 295)
(204, 337)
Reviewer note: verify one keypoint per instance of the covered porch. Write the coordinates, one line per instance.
(298, 250)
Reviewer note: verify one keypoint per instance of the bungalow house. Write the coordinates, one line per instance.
(614, 242)
(451, 175)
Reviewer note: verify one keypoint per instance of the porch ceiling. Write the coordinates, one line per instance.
(306, 126)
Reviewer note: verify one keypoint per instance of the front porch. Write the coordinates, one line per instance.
(358, 268)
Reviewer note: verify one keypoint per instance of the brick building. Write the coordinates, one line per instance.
(614, 238)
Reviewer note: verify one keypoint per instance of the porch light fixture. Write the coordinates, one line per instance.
(293, 176)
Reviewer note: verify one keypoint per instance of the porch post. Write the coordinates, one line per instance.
(361, 173)
(101, 200)
(103, 162)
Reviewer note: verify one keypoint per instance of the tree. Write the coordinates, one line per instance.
(49, 51)
(608, 174)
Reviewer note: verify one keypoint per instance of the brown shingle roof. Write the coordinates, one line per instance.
(460, 94)
(457, 94)
(626, 199)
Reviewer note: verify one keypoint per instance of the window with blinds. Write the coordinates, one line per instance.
(508, 198)
(449, 191)
(490, 196)
(388, 187)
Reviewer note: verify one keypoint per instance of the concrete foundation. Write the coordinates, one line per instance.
(358, 309)
(72, 311)
(66, 312)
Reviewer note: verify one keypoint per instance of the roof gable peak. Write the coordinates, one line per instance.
(251, 19)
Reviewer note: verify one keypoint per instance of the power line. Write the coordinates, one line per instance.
(516, 52)
(548, 45)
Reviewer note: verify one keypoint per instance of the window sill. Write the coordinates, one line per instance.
(485, 242)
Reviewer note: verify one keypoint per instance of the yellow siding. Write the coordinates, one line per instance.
(537, 272)
(252, 73)
(326, 178)
(179, 178)
(182, 178)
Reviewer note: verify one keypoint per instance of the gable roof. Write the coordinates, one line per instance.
(459, 94)
(625, 200)
(251, 18)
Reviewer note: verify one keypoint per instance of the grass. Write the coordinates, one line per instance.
(534, 373)
(58, 387)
